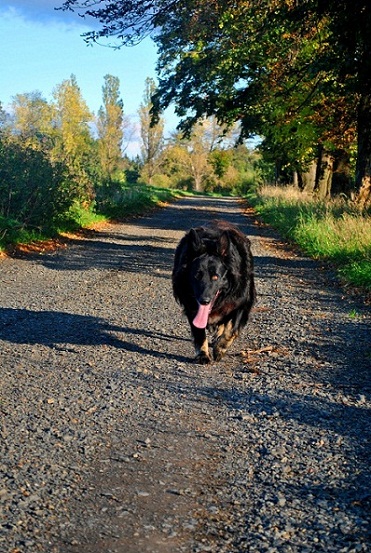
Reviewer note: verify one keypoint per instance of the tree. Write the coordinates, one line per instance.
(192, 156)
(33, 120)
(110, 128)
(246, 61)
(152, 135)
(73, 141)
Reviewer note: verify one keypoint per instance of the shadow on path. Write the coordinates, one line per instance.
(60, 330)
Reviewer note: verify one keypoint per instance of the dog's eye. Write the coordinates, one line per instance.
(198, 276)
(215, 277)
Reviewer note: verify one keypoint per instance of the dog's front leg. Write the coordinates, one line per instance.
(201, 345)
(225, 336)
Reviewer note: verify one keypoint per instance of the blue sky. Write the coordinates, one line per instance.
(41, 47)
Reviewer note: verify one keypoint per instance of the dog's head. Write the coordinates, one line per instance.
(206, 240)
(208, 278)
(208, 272)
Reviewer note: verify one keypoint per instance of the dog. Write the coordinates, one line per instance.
(213, 280)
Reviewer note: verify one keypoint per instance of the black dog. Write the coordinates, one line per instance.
(213, 280)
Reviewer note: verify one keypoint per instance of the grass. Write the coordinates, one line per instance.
(132, 200)
(13, 232)
(335, 230)
(135, 200)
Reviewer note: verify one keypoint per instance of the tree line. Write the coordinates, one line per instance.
(57, 157)
(49, 159)
(297, 73)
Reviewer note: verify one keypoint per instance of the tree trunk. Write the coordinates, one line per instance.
(341, 178)
(309, 178)
(324, 180)
(197, 179)
(363, 169)
(277, 172)
(295, 179)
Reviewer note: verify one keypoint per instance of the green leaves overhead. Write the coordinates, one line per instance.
(298, 73)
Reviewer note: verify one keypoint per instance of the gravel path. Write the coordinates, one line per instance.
(112, 440)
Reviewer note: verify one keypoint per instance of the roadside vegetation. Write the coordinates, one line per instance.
(298, 74)
(334, 230)
(63, 167)
(133, 200)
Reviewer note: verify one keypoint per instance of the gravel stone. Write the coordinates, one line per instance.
(113, 440)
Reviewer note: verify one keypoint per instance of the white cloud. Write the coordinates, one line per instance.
(45, 10)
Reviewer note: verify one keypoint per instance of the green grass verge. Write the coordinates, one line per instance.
(132, 200)
(13, 232)
(335, 231)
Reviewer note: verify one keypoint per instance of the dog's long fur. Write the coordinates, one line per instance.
(214, 282)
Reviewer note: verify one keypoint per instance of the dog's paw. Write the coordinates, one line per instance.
(218, 353)
(202, 358)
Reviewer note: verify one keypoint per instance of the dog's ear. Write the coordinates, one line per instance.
(224, 244)
(195, 240)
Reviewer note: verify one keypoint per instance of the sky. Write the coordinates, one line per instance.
(41, 47)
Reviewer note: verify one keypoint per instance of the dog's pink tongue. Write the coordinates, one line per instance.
(200, 320)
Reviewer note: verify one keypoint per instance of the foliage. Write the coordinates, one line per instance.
(336, 231)
(128, 21)
(33, 121)
(32, 189)
(73, 143)
(47, 163)
(208, 161)
(152, 135)
(134, 199)
(55, 174)
(110, 129)
(297, 73)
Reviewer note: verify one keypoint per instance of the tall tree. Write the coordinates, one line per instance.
(110, 128)
(152, 136)
(33, 120)
(73, 142)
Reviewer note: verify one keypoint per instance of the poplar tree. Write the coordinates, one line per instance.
(152, 136)
(73, 143)
(110, 129)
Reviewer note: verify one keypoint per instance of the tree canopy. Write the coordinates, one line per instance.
(297, 73)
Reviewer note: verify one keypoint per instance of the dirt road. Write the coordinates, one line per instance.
(112, 440)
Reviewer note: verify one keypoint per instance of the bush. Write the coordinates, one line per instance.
(32, 190)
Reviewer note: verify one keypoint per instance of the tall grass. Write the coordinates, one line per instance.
(335, 230)
(133, 200)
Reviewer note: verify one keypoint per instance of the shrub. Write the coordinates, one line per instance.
(32, 190)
